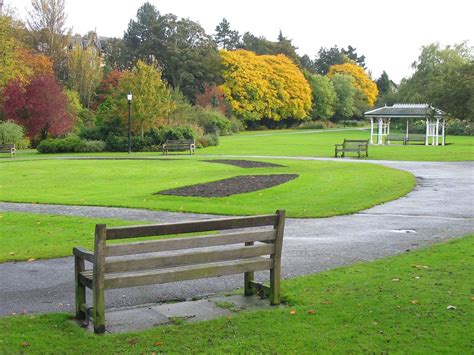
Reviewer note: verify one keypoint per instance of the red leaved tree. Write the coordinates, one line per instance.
(40, 107)
(107, 87)
(212, 97)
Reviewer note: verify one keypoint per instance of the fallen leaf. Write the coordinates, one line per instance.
(158, 343)
(133, 341)
(293, 312)
(31, 259)
(451, 307)
(326, 302)
(395, 280)
(420, 266)
(375, 323)
(24, 344)
(229, 317)
(472, 298)
(12, 253)
(414, 301)
(311, 311)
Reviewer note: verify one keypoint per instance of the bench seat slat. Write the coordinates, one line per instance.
(188, 258)
(188, 243)
(148, 277)
(190, 227)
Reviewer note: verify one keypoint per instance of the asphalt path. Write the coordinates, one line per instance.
(439, 208)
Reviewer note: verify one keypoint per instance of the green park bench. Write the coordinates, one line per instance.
(415, 138)
(179, 146)
(139, 263)
(8, 148)
(359, 146)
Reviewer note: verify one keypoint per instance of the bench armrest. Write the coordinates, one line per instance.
(83, 254)
(338, 145)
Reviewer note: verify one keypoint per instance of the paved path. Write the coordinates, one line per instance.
(439, 208)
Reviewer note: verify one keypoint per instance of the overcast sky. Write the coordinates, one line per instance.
(389, 33)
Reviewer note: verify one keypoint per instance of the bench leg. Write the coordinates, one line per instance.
(275, 286)
(99, 310)
(79, 289)
(249, 290)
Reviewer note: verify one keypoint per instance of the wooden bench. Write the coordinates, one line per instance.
(8, 148)
(361, 147)
(396, 138)
(142, 263)
(415, 138)
(179, 146)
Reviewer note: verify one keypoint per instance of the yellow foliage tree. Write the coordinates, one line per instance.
(361, 80)
(269, 86)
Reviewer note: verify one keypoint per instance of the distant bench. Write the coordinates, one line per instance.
(403, 138)
(8, 148)
(179, 146)
(359, 146)
(259, 250)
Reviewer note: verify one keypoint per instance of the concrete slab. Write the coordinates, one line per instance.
(129, 319)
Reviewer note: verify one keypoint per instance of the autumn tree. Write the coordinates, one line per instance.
(212, 97)
(15, 61)
(225, 37)
(84, 73)
(41, 107)
(324, 96)
(152, 99)
(362, 81)
(267, 86)
(46, 22)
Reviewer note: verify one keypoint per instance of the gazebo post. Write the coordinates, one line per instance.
(387, 131)
(371, 130)
(437, 132)
(443, 132)
(406, 133)
(427, 131)
(379, 141)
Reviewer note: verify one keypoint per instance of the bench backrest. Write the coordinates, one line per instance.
(7, 146)
(182, 141)
(348, 143)
(253, 242)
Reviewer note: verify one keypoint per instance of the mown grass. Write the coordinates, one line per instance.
(322, 188)
(394, 305)
(321, 144)
(26, 236)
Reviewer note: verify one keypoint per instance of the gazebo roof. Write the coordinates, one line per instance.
(406, 111)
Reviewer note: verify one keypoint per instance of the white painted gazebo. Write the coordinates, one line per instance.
(380, 122)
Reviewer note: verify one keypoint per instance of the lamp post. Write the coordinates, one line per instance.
(129, 99)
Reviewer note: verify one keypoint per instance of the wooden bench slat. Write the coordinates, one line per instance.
(189, 227)
(188, 258)
(188, 243)
(186, 273)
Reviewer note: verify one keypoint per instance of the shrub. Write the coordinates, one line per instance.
(458, 127)
(11, 133)
(207, 141)
(312, 125)
(71, 144)
(213, 122)
(120, 143)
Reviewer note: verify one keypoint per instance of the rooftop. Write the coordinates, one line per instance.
(407, 111)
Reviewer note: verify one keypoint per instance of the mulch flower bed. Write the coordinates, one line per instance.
(232, 186)
(245, 163)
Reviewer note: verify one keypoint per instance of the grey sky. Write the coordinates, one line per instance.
(389, 33)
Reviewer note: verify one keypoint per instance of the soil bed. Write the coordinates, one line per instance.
(232, 186)
(245, 163)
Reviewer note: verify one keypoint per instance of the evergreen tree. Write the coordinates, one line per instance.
(225, 37)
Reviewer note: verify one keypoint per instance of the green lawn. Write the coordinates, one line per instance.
(26, 236)
(322, 188)
(321, 144)
(394, 305)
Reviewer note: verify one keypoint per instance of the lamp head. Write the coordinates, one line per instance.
(129, 96)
